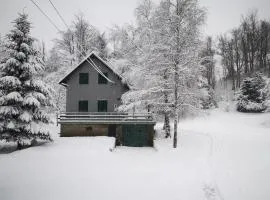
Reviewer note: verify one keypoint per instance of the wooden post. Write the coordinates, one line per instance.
(133, 110)
(148, 111)
(148, 108)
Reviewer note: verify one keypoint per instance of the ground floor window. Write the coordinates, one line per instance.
(102, 105)
(83, 106)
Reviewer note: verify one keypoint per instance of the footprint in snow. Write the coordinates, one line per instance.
(211, 192)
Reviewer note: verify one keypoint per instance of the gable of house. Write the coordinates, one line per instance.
(88, 91)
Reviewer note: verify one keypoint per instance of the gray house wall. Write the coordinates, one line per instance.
(92, 92)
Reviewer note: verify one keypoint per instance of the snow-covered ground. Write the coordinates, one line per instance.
(220, 156)
(240, 160)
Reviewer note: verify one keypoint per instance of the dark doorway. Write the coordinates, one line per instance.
(102, 105)
(83, 106)
(112, 130)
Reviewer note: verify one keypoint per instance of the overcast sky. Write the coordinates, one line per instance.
(222, 14)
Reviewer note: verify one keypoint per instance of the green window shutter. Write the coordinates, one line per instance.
(101, 79)
(102, 105)
(83, 106)
(83, 78)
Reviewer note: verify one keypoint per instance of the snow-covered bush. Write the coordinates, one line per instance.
(252, 95)
(208, 100)
(23, 98)
(207, 97)
(206, 93)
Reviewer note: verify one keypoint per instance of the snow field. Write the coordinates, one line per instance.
(220, 156)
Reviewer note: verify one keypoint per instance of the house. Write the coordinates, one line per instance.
(93, 92)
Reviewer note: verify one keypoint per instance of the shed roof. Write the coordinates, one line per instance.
(64, 80)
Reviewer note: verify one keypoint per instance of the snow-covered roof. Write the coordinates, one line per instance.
(63, 80)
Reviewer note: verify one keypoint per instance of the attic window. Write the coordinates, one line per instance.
(101, 79)
(83, 79)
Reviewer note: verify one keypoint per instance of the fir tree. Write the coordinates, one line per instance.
(252, 95)
(23, 98)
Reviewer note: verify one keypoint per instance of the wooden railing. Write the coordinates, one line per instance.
(103, 117)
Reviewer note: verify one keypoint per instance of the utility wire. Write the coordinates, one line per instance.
(46, 16)
(87, 59)
(58, 13)
(51, 21)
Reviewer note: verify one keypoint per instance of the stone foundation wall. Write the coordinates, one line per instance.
(69, 130)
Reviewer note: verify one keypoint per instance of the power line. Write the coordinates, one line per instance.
(87, 59)
(51, 21)
(63, 20)
(46, 16)
(58, 13)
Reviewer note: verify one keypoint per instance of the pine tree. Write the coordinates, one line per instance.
(252, 95)
(2, 51)
(23, 98)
